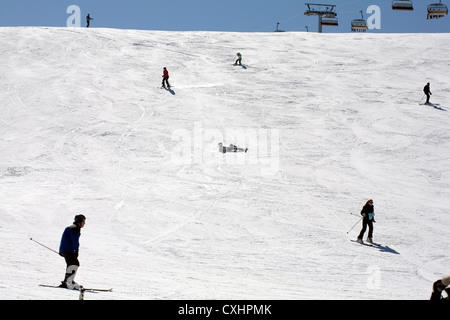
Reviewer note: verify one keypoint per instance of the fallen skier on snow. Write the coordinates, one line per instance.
(231, 148)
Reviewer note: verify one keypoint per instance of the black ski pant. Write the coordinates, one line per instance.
(165, 80)
(71, 262)
(366, 222)
(428, 97)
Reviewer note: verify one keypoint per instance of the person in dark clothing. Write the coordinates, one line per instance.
(427, 91)
(165, 78)
(439, 286)
(368, 218)
(69, 250)
(88, 20)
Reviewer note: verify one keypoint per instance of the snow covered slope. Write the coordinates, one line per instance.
(329, 120)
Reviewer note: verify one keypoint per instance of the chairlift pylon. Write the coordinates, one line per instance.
(278, 30)
(325, 13)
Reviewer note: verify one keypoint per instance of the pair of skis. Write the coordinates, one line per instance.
(370, 244)
(81, 289)
(429, 104)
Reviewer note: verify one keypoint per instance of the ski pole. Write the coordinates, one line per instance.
(44, 246)
(354, 225)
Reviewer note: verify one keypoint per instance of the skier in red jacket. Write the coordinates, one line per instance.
(165, 78)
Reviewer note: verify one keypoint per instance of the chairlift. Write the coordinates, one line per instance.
(278, 30)
(325, 12)
(404, 5)
(437, 10)
(330, 20)
(359, 25)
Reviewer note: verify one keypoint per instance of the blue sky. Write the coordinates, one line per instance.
(216, 15)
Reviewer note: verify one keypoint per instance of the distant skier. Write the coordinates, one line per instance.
(427, 91)
(231, 148)
(165, 78)
(88, 20)
(69, 250)
(368, 218)
(239, 59)
(439, 286)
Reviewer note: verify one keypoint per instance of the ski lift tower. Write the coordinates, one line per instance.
(321, 10)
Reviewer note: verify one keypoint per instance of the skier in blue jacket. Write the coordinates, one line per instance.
(69, 250)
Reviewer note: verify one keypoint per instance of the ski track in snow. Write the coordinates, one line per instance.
(85, 128)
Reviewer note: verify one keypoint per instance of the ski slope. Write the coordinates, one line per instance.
(330, 121)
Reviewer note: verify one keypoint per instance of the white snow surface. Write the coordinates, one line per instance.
(330, 121)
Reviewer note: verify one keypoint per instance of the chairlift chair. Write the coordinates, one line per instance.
(404, 5)
(359, 25)
(437, 10)
(330, 20)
